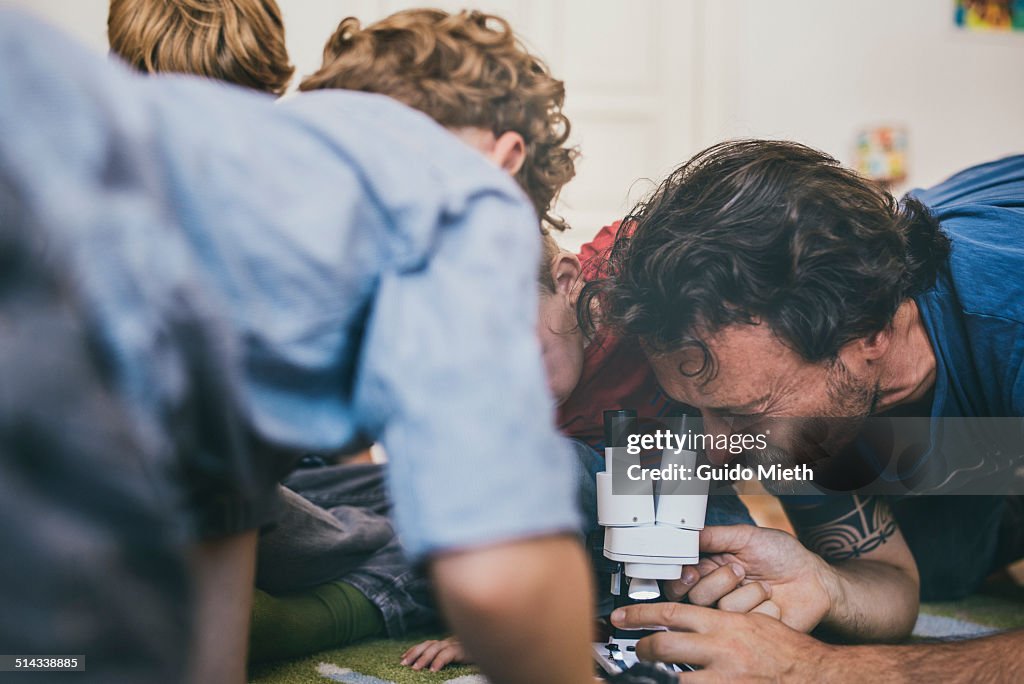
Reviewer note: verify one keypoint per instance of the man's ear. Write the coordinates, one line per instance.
(867, 350)
(509, 152)
(565, 272)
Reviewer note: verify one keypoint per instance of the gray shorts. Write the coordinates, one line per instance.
(339, 529)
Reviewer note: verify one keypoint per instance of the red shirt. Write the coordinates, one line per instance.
(615, 373)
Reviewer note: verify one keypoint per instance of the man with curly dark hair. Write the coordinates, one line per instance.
(779, 292)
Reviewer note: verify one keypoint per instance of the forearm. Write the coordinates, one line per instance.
(871, 576)
(872, 601)
(224, 572)
(521, 609)
(989, 660)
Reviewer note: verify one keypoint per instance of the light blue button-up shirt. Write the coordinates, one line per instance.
(373, 273)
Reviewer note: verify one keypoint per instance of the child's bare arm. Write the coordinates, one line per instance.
(524, 596)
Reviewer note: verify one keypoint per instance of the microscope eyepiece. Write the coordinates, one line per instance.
(618, 425)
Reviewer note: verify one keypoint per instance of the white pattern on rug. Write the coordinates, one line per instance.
(940, 627)
(348, 676)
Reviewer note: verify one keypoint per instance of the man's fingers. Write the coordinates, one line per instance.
(746, 598)
(706, 566)
(725, 538)
(717, 584)
(677, 647)
(769, 608)
(702, 677)
(677, 589)
(677, 616)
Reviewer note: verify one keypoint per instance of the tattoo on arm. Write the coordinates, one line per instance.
(859, 530)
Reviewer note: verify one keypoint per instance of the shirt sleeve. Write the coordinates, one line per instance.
(452, 382)
(593, 253)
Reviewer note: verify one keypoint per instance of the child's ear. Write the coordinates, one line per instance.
(565, 271)
(509, 152)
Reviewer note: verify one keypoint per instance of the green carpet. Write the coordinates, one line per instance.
(376, 662)
(370, 661)
(1000, 607)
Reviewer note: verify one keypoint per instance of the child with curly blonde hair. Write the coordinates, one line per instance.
(470, 73)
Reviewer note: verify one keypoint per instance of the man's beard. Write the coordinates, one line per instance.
(819, 441)
(851, 397)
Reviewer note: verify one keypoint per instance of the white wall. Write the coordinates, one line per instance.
(815, 71)
(650, 82)
(629, 106)
(84, 19)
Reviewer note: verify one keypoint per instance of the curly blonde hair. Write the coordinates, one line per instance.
(238, 41)
(463, 70)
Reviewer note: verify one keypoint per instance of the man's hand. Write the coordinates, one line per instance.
(731, 647)
(762, 570)
(434, 654)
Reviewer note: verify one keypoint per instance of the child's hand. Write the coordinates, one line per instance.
(435, 654)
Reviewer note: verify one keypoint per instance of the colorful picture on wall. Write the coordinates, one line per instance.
(990, 15)
(881, 154)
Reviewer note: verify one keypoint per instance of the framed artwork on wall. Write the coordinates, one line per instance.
(881, 154)
(989, 15)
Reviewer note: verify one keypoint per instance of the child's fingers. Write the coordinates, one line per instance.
(433, 652)
(414, 652)
(428, 655)
(448, 654)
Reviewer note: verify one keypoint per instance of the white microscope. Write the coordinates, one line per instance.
(651, 526)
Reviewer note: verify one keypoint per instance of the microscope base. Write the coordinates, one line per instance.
(616, 655)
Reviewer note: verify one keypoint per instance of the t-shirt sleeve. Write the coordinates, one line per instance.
(592, 254)
(453, 384)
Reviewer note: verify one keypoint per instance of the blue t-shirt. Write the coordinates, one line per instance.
(974, 317)
(975, 313)
(972, 440)
(371, 273)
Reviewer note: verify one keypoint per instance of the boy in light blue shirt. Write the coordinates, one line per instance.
(263, 280)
